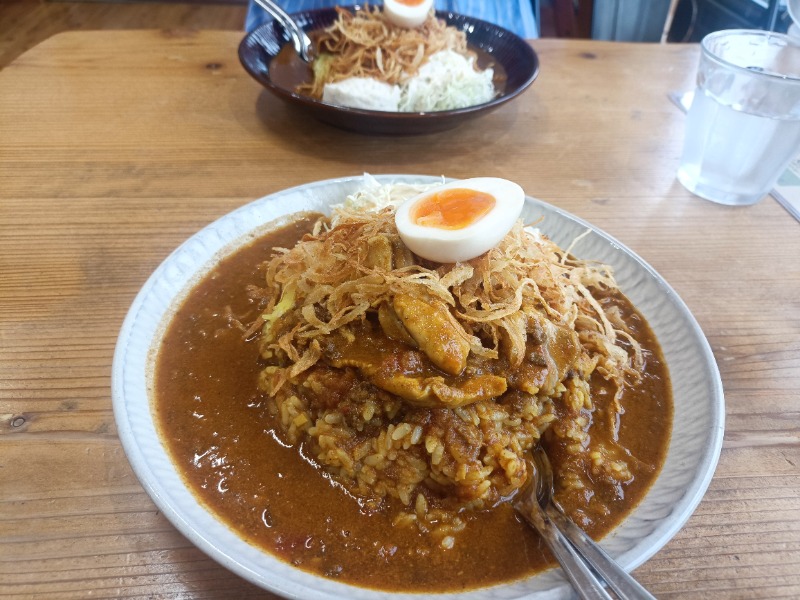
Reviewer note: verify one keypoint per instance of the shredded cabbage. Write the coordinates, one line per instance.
(375, 196)
(448, 80)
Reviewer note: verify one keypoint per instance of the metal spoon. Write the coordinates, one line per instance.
(301, 42)
(585, 564)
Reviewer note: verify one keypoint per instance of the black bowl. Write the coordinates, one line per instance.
(511, 53)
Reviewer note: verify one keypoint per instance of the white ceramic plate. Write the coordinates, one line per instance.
(697, 391)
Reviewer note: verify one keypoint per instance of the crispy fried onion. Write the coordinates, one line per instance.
(335, 276)
(365, 44)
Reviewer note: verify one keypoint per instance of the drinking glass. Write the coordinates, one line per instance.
(743, 128)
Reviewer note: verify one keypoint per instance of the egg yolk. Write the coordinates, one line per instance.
(455, 208)
(410, 2)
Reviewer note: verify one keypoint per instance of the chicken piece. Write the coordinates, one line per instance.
(395, 368)
(513, 338)
(379, 253)
(392, 325)
(434, 392)
(435, 330)
(403, 257)
(548, 363)
(564, 348)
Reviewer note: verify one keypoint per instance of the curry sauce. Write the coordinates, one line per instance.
(226, 444)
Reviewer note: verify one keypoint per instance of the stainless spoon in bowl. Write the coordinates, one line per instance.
(587, 566)
(301, 42)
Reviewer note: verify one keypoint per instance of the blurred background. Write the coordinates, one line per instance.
(25, 23)
(658, 20)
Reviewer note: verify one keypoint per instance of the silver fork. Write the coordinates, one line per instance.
(586, 565)
(301, 42)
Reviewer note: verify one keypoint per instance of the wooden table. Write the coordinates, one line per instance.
(117, 146)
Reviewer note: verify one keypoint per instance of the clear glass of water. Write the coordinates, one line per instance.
(743, 128)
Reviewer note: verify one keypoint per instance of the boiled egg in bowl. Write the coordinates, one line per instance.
(459, 220)
(407, 13)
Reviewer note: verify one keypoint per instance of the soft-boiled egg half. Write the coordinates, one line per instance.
(407, 13)
(461, 219)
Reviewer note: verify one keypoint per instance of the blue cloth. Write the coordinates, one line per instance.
(514, 15)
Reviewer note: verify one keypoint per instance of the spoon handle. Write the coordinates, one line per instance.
(623, 584)
(583, 580)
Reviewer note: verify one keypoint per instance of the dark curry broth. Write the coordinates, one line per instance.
(216, 425)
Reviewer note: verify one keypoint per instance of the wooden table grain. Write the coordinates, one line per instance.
(117, 146)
